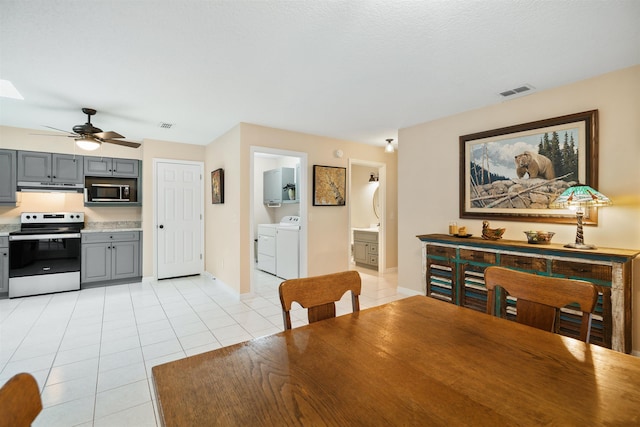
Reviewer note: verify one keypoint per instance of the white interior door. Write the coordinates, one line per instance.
(179, 219)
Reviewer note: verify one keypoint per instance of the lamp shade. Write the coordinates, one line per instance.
(580, 196)
(88, 144)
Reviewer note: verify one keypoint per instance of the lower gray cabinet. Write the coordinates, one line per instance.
(4, 266)
(365, 248)
(110, 257)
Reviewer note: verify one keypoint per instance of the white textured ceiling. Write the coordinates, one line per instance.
(357, 70)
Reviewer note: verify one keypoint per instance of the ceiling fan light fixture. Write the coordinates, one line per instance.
(88, 144)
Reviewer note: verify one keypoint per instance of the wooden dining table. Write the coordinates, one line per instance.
(415, 361)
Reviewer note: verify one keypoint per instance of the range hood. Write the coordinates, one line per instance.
(49, 187)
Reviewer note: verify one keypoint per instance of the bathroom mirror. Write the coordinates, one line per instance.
(376, 203)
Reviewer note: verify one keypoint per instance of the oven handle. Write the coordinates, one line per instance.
(45, 236)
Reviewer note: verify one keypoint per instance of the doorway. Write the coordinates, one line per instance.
(262, 159)
(367, 210)
(178, 218)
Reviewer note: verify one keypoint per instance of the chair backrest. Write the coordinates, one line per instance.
(318, 294)
(539, 298)
(20, 401)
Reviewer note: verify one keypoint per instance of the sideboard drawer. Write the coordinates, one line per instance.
(523, 262)
(581, 270)
(478, 256)
(441, 251)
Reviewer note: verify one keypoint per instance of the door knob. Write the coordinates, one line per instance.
(161, 226)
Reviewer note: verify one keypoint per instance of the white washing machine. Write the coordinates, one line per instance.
(288, 248)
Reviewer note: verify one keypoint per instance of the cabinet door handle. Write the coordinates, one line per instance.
(161, 226)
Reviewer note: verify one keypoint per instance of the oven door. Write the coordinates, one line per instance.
(33, 255)
(43, 263)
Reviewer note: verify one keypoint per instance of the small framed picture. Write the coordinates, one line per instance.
(217, 186)
(329, 186)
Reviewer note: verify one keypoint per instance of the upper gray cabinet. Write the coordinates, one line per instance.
(106, 166)
(274, 182)
(35, 166)
(7, 177)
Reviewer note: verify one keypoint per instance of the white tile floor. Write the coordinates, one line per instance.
(92, 351)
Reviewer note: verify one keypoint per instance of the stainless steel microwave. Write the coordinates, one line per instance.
(109, 193)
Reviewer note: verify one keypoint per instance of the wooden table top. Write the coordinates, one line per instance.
(415, 361)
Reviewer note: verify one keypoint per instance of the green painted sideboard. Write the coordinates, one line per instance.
(453, 269)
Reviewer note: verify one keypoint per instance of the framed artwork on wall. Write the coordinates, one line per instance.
(217, 186)
(329, 186)
(514, 173)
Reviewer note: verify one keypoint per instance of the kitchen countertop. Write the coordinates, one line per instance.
(111, 226)
(373, 229)
(108, 230)
(5, 229)
(89, 227)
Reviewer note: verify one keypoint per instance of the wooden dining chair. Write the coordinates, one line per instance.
(20, 401)
(318, 294)
(539, 298)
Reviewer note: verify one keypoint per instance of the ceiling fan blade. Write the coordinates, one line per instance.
(121, 142)
(60, 130)
(50, 134)
(107, 135)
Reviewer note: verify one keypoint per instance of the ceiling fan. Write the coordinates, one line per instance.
(89, 137)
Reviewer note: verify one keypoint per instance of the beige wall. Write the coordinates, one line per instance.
(223, 221)
(362, 191)
(427, 204)
(328, 234)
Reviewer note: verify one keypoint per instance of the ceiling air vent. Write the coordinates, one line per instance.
(522, 90)
(164, 125)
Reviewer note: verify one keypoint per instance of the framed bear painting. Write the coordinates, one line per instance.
(514, 173)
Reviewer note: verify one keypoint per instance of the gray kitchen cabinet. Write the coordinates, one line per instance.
(4, 266)
(35, 166)
(273, 182)
(110, 257)
(8, 175)
(365, 248)
(106, 166)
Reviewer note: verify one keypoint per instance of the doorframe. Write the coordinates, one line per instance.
(155, 209)
(382, 195)
(301, 189)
